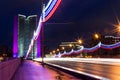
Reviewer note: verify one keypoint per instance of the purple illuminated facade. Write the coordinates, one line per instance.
(15, 40)
(39, 47)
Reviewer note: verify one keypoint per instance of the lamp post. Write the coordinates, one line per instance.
(97, 38)
(42, 29)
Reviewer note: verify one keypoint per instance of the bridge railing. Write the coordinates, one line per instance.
(8, 68)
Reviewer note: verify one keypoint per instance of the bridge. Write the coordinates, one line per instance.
(59, 67)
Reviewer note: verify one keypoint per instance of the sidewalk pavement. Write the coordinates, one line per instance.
(30, 70)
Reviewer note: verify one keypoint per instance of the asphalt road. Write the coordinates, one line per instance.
(109, 71)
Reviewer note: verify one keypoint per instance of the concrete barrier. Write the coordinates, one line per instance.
(8, 68)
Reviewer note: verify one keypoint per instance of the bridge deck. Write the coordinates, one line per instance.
(30, 70)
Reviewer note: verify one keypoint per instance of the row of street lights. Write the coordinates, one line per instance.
(70, 46)
(96, 36)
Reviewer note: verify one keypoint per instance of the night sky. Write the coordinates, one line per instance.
(73, 19)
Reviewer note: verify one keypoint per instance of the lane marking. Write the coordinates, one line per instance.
(79, 72)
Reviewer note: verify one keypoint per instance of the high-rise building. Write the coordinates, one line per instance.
(23, 33)
(26, 27)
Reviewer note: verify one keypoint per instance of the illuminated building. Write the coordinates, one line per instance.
(111, 39)
(26, 27)
(23, 32)
(70, 45)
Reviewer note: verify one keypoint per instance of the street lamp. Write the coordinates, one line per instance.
(117, 28)
(42, 7)
(50, 53)
(96, 36)
(63, 48)
(97, 39)
(80, 41)
(70, 45)
(54, 51)
(58, 50)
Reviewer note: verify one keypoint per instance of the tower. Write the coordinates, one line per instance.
(26, 27)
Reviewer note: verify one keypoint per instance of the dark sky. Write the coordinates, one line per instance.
(72, 20)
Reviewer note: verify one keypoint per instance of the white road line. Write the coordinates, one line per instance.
(79, 72)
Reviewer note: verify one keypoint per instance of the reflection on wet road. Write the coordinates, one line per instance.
(30, 70)
(110, 71)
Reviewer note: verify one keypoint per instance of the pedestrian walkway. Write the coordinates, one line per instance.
(30, 70)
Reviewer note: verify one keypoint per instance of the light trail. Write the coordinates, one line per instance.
(87, 60)
(79, 72)
(60, 62)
